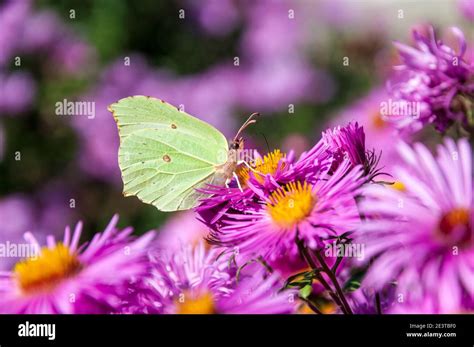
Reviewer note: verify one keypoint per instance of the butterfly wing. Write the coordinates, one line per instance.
(165, 154)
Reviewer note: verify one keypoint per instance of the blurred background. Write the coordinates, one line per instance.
(304, 65)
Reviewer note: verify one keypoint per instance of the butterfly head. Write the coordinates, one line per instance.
(235, 147)
(237, 144)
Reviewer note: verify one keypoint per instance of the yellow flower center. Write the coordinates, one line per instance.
(377, 121)
(397, 185)
(201, 304)
(291, 204)
(305, 309)
(455, 227)
(266, 165)
(325, 307)
(47, 270)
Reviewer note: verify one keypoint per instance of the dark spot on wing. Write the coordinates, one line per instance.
(173, 126)
(166, 158)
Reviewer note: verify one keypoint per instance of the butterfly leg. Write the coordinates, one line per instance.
(247, 164)
(238, 182)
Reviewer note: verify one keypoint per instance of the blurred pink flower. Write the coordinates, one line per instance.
(216, 17)
(13, 15)
(17, 92)
(181, 229)
(436, 79)
(26, 30)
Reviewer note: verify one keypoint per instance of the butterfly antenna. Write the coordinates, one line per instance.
(265, 138)
(250, 120)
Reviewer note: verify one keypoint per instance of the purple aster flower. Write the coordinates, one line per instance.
(349, 142)
(67, 278)
(310, 212)
(422, 235)
(269, 172)
(197, 280)
(433, 85)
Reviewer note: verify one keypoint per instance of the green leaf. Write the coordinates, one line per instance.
(301, 279)
(306, 291)
(352, 286)
(354, 281)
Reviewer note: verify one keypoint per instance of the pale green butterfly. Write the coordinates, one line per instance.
(166, 154)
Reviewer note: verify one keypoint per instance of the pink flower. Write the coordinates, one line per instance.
(421, 234)
(67, 278)
(196, 280)
(311, 212)
(435, 81)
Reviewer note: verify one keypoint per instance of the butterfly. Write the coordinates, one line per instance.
(167, 155)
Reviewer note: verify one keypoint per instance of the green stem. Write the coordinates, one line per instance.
(309, 260)
(332, 276)
(312, 306)
(378, 305)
